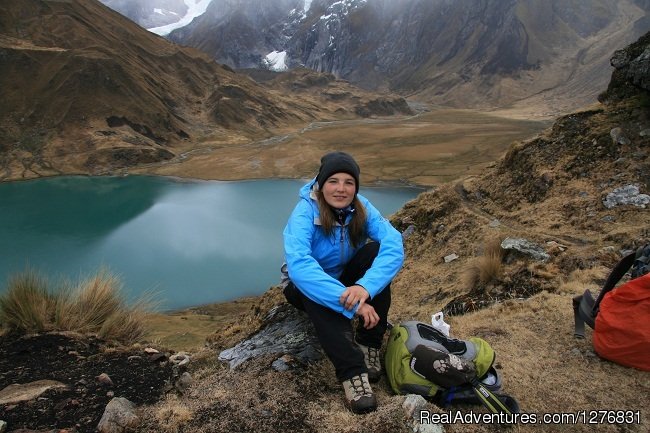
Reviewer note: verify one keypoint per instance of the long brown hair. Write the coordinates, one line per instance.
(357, 226)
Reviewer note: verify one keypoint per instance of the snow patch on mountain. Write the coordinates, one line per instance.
(339, 10)
(164, 12)
(195, 8)
(276, 61)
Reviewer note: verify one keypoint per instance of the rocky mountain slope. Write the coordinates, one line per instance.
(578, 189)
(241, 33)
(150, 13)
(565, 192)
(85, 90)
(470, 53)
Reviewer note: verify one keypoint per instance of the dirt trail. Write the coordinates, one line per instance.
(509, 223)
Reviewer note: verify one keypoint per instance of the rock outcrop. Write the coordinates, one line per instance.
(240, 33)
(285, 333)
(631, 71)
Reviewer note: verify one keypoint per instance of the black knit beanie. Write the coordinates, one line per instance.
(337, 162)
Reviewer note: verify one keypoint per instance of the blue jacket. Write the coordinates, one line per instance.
(315, 261)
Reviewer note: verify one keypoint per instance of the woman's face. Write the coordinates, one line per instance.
(339, 189)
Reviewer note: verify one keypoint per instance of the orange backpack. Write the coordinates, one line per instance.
(620, 316)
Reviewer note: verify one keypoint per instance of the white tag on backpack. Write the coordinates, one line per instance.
(438, 322)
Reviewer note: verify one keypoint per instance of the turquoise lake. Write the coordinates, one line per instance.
(190, 242)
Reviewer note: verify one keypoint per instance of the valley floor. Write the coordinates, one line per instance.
(426, 149)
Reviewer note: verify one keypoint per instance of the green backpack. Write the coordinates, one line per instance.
(421, 360)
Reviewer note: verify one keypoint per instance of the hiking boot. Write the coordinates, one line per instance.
(358, 394)
(373, 362)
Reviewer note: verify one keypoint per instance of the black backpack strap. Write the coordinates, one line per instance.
(585, 308)
(614, 277)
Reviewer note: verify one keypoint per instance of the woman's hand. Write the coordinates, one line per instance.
(353, 295)
(369, 315)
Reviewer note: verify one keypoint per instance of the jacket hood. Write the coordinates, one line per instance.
(306, 190)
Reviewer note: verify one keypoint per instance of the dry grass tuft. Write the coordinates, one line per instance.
(172, 415)
(126, 323)
(96, 306)
(472, 276)
(486, 269)
(90, 304)
(27, 303)
(491, 263)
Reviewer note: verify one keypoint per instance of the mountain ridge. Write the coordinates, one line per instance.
(471, 53)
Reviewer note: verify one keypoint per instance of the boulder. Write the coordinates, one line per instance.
(408, 232)
(105, 380)
(639, 70)
(526, 248)
(184, 382)
(413, 407)
(626, 195)
(119, 416)
(618, 137)
(17, 393)
(180, 359)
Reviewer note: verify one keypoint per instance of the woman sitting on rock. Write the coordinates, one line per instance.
(334, 273)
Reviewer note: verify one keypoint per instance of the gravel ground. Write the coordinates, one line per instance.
(76, 362)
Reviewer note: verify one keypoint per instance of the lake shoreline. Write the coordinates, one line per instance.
(391, 183)
(190, 329)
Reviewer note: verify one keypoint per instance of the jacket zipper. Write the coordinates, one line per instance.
(342, 239)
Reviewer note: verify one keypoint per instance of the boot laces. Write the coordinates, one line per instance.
(360, 387)
(373, 357)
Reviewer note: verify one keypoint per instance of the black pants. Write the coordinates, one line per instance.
(334, 330)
